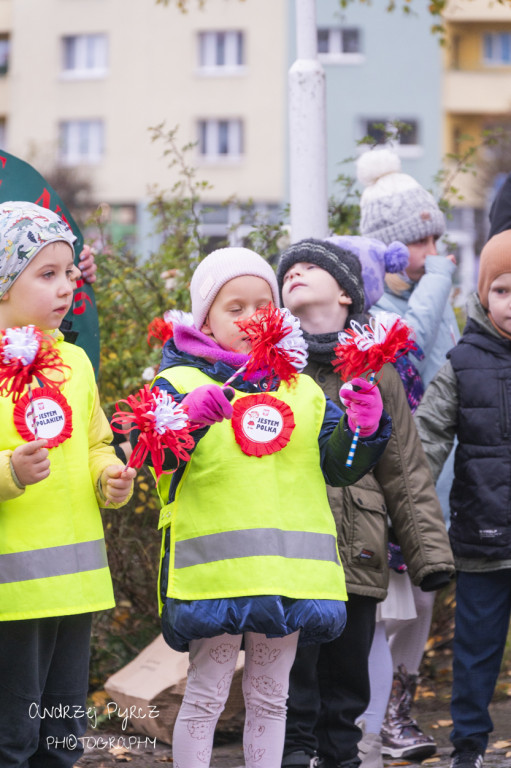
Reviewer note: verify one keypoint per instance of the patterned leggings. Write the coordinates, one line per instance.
(265, 687)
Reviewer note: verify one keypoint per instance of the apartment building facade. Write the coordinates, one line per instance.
(81, 82)
(87, 78)
(476, 101)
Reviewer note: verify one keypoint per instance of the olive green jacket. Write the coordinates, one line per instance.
(400, 489)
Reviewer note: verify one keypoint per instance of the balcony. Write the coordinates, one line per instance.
(477, 92)
(476, 10)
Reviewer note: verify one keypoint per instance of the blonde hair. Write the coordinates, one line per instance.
(396, 282)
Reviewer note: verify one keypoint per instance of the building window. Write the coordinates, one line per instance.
(221, 52)
(339, 44)
(497, 48)
(401, 133)
(5, 45)
(220, 139)
(81, 141)
(84, 56)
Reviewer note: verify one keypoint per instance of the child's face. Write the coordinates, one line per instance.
(43, 293)
(418, 251)
(307, 287)
(499, 301)
(238, 299)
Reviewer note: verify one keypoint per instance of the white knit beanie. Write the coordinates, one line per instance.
(393, 205)
(217, 269)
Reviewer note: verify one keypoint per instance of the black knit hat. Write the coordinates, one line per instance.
(340, 263)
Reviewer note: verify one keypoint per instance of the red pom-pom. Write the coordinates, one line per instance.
(278, 348)
(159, 330)
(163, 425)
(367, 348)
(24, 353)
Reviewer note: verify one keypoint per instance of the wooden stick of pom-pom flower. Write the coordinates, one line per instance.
(24, 353)
(163, 425)
(364, 349)
(278, 349)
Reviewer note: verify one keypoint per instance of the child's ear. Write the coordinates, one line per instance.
(344, 299)
(206, 328)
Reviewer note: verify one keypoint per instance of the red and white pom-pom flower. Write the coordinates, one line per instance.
(364, 348)
(161, 329)
(163, 425)
(278, 349)
(24, 353)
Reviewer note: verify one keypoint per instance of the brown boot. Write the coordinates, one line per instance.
(400, 733)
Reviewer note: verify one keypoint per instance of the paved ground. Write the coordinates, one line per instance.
(107, 749)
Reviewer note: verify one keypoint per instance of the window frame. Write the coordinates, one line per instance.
(336, 53)
(213, 133)
(71, 139)
(495, 40)
(234, 52)
(82, 52)
(402, 149)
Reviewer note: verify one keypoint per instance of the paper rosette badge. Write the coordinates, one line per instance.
(263, 424)
(27, 354)
(366, 348)
(162, 423)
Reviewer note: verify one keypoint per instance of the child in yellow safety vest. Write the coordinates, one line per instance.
(54, 476)
(249, 552)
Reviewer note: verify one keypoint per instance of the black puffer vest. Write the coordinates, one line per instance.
(481, 491)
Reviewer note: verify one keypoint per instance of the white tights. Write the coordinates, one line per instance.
(396, 642)
(268, 662)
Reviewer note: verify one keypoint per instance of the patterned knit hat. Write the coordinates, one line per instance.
(393, 205)
(217, 269)
(495, 260)
(341, 263)
(376, 260)
(25, 228)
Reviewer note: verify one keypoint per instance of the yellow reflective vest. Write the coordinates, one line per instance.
(242, 525)
(52, 550)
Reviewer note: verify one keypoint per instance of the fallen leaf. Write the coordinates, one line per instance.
(501, 744)
(444, 723)
(118, 751)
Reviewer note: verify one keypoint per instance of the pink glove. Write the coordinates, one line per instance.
(208, 404)
(364, 407)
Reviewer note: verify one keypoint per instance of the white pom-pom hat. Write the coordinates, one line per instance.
(394, 206)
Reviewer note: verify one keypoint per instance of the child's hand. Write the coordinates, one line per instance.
(208, 404)
(87, 265)
(30, 462)
(363, 407)
(116, 482)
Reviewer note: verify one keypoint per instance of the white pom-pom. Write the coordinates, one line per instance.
(376, 163)
(22, 344)
(168, 415)
(294, 342)
(178, 317)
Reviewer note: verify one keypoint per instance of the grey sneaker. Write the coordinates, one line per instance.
(466, 759)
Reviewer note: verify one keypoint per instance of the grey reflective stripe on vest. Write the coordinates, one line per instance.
(53, 561)
(255, 542)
